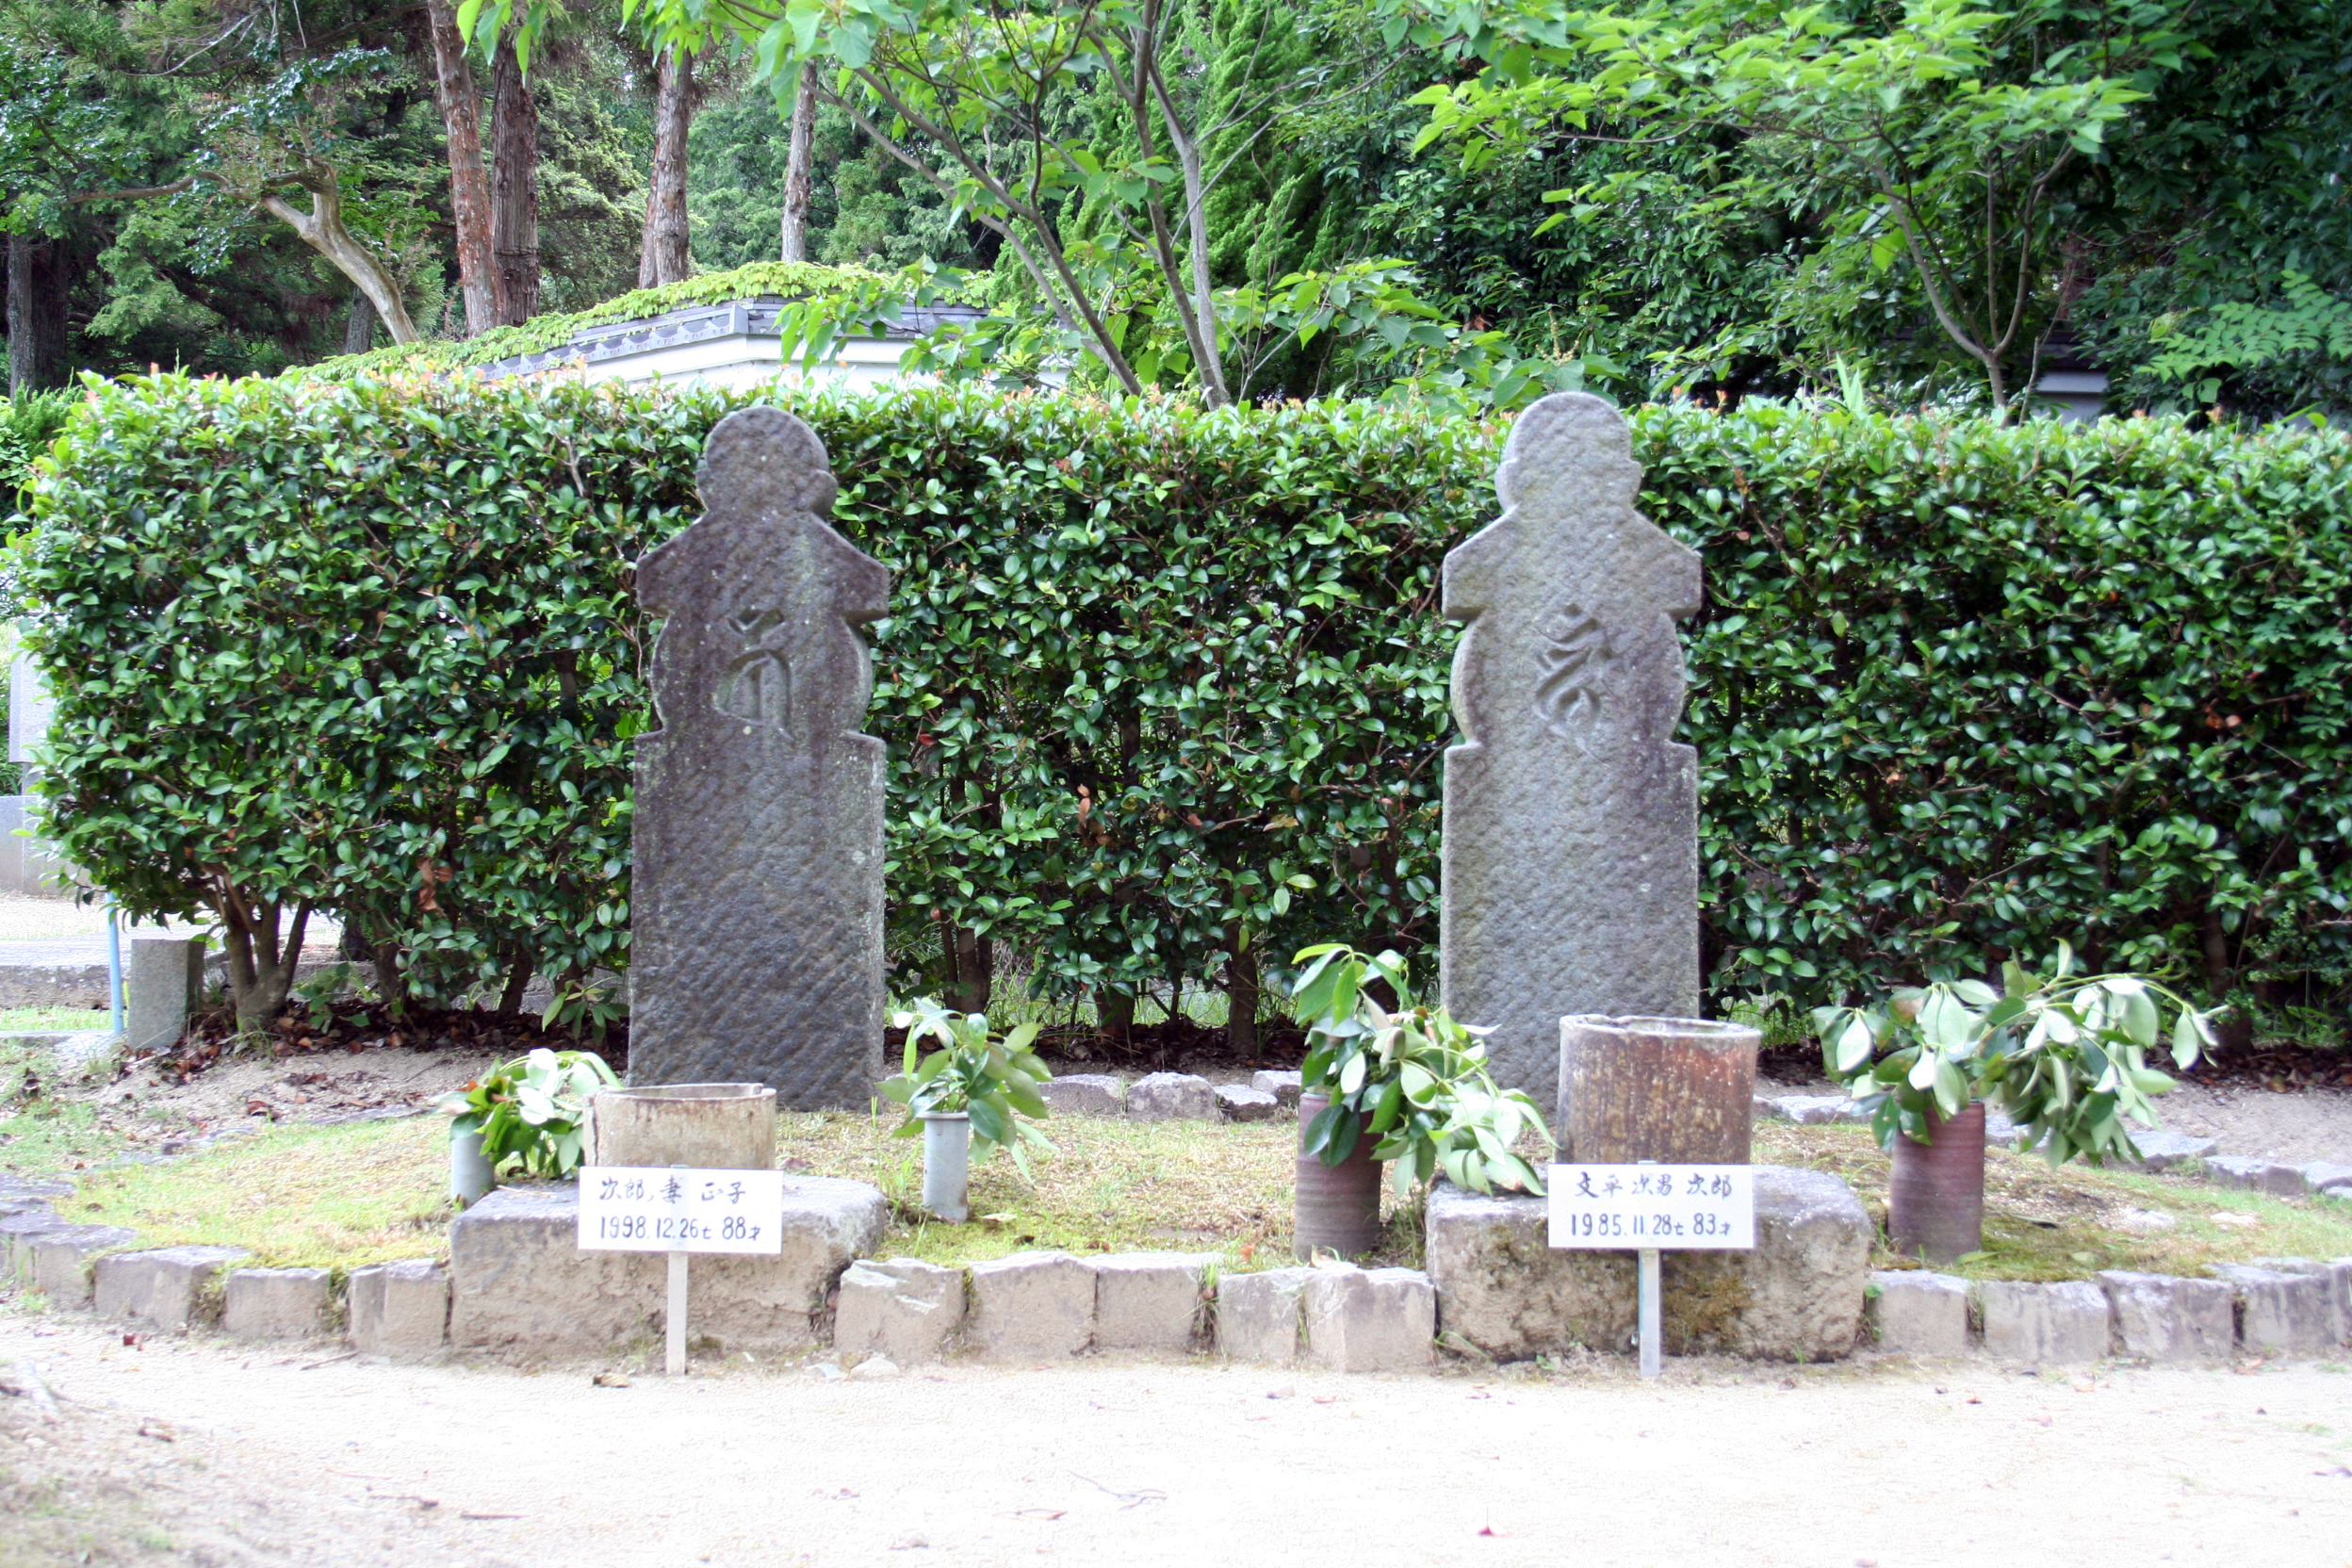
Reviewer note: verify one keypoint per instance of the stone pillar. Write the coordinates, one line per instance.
(1570, 855)
(162, 983)
(757, 895)
(30, 706)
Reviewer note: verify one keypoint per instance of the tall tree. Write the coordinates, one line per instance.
(664, 258)
(799, 181)
(513, 188)
(37, 280)
(469, 185)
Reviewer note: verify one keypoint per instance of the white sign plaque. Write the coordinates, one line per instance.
(1632, 1207)
(673, 1209)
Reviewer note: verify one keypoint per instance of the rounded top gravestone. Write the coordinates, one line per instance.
(756, 951)
(1569, 857)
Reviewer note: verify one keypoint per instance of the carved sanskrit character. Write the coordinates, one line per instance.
(756, 894)
(1571, 818)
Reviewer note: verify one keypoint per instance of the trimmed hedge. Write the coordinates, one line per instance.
(1160, 685)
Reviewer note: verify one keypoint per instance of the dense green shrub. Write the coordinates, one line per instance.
(1161, 684)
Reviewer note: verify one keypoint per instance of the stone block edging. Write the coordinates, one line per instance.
(2272, 1307)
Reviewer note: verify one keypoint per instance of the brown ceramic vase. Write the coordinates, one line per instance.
(1338, 1207)
(1936, 1198)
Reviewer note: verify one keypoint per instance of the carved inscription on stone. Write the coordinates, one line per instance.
(1573, 662)
(757, 892)
(1570, 848)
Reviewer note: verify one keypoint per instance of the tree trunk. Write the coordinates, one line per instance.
(261, 970)
(322, 229)
(37, 294)
(1115, 1014)
(513, 189)
(359, 327)
(470, 187)
(662, 257)
(517, 982)
(1241, 995)
(799, 187)
(970, 967)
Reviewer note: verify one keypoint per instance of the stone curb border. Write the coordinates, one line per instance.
(2271, 1307)
(2177, 1153)
(1039, 1305)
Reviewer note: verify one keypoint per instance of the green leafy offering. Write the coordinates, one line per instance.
(1410, 1077)
(2064, 1057)
(533, 1111)
(973, 1073)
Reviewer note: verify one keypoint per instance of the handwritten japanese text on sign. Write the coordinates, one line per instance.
(674, 1209)
(1630, 1207)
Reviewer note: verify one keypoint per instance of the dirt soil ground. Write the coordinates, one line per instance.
(1103, 1461)
(2295, 1128)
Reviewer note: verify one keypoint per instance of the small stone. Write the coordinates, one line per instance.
(2338, 1273)
(1282, 1084)
(904, 1309)
(2254, 1175)
(1260, 1318)
(1085, 1094)
(874, 1366)
(2162, 1151)
(1147, 1301)
(1371, 1320)
(1241, 1104)
(399, 1308)
(1031, 1304)
(1172, 1096)
(2329, 1177)
(1820, 1110)
(276, 1304)
(826, 1371)
(1913, 1312)
(59, 1263)
(2162, 1317)
(166, 1287)
(909, 1544)
(2046, 1325)
(2288, 1314)
(1763, 1108)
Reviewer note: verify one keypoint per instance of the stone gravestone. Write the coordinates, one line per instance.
(1571, 817)
(757, 903)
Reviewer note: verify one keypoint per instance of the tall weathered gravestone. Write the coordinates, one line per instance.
(1571, 827)
(757, 954)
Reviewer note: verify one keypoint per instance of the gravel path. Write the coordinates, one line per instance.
(1140, 1465)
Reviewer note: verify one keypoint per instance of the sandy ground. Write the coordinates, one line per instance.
(2295, 1128)
(319, 1086)
(1135, 1464)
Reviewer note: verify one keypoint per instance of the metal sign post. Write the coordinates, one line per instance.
(1650, 1208)
(680, 1211)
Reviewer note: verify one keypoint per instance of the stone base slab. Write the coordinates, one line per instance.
(1798, 1296)
(520, 1283)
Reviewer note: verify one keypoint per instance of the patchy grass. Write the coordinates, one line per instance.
(1109, 1187)
(53, 1020)
(363, 1192)
(2066, 1224)
(47, 1124)
(294, 1196)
